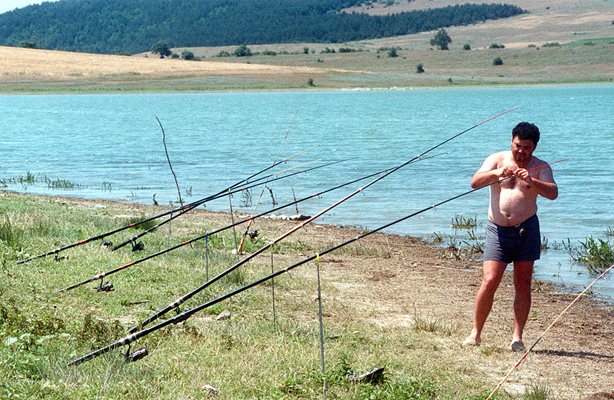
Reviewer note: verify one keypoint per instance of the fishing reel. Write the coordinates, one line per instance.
(104, 287)
(137, 246)
(136, 355)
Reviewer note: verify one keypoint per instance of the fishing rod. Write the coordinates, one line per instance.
(188, 313)
(187, 296)
(208, 234)
(522, 358)
(135, 237)
(230, 192)
(130, 264)
(135, 224)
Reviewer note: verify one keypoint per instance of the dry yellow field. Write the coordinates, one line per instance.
(35, 64)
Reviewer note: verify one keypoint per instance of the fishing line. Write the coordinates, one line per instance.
(188, 313)
(135, 224)
(190, 294)
(522, 358)
(229, 193)
(283, 142)
(130, 264)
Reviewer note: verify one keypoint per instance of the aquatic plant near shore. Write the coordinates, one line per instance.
(595, 254)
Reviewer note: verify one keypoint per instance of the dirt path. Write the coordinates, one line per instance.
(391, 280)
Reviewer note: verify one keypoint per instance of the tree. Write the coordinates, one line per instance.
(162, 49)
(187, 55)
(466, 47)
(392, 52)
(419, 68)
(497, 61)
(242, 51)
(441, 39)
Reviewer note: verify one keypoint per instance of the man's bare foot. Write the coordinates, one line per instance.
(471, 341)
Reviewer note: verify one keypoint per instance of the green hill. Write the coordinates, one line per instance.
(121, 26)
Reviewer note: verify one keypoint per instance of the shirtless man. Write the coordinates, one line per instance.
(512, 234)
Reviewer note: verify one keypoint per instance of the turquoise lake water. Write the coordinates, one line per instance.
(111, 147)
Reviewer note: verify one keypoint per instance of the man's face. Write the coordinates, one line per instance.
(522, 149)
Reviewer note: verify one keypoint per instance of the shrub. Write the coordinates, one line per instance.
(187, 55)
(496, 46)
(466, 47)
(223, 53)
(441, 39)
(242, 51)
(26, 44)
(552, 44)
(310, 82)
(393, 52)
(419, 68)
(497, 61)
(162, 49)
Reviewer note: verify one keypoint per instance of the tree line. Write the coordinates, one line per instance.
(126, 27)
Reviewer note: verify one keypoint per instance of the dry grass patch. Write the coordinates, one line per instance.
(36, 64)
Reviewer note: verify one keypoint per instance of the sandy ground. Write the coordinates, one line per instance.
(389, 280)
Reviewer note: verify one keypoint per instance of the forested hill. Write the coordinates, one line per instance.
(131, 26)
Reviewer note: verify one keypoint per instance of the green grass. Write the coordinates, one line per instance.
(245, 357)
(595, 254)
(592, 42)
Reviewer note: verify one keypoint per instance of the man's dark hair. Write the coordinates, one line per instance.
(526, 130)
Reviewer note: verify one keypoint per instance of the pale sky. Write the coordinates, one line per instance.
(9, 5)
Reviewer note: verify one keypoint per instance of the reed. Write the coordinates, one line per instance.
(595, 254)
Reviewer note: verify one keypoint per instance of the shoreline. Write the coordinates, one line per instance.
(123, 90)
(557, 288)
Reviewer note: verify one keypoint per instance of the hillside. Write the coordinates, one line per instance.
(583, 31)
(120, 27)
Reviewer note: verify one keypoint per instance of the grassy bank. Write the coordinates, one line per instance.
(247, 356)
(365, 67)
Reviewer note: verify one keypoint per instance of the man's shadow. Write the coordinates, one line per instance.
(578, 354)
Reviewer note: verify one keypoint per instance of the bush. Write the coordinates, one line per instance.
(419, 68)
(162, 49)
(242, 51)
(466, 47)
(223, 53)
(497, 61)
(187, 55)
(26, 44)
(441, 39)
(310, 82)
(393, 52)
(496, 46)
